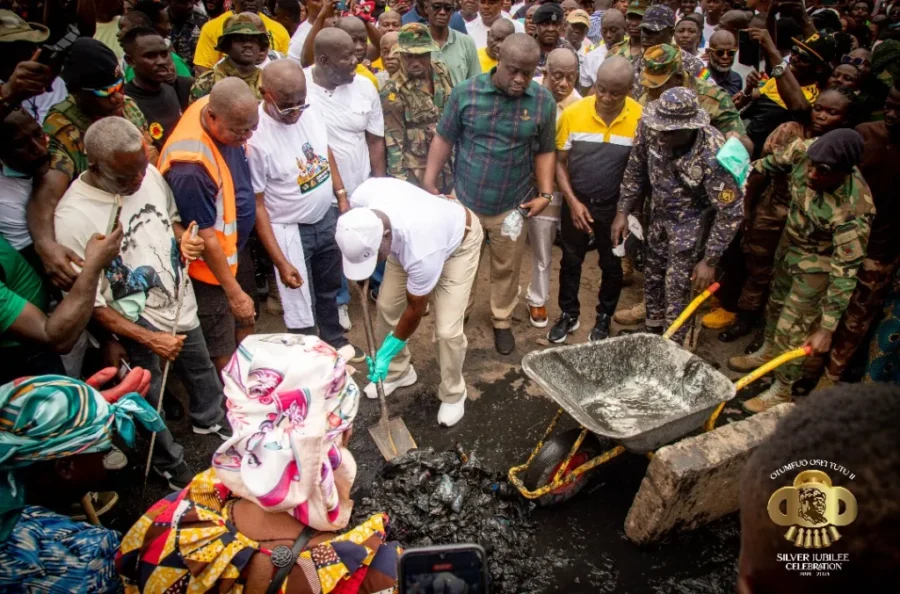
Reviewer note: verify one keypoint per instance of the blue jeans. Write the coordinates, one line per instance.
(201, 382)
(326, 283)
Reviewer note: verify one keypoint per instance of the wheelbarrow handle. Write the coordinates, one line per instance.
(690, 309)
(748, 379)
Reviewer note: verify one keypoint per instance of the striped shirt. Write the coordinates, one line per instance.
(497, 137)
(597, 153)
(594, 31)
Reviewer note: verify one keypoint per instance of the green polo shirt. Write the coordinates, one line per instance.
(497, 137)
(19, 284)
(460, 56)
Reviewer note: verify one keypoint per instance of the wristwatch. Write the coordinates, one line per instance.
(778, 71)
(341, 192)
(546, 195)
(711, 261)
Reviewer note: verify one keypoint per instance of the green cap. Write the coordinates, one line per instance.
(415, 38)
(637, 7)
(660, 63)
(241, 24)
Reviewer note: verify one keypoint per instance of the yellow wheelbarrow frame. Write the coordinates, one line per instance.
(564, 476)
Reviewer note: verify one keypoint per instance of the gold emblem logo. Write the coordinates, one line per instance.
(525, 115)
(726, 196)
(813, 510)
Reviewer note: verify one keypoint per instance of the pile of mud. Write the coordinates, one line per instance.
(437, 498)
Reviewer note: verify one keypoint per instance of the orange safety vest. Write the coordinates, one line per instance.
(189, 143)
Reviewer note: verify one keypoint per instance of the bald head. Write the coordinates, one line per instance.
(616, 69)
(283, 77)
(722, 38)
(352, 25)
(520, 45)
(612, 88)
(561, 58)
(502, 28)
(231, 95)
(231, 114)
(613, 17)
(735, 20)
(331, 42)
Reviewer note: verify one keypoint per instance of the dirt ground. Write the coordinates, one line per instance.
(505, 416)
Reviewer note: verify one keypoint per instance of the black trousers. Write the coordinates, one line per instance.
(733, 272)
(574, 249)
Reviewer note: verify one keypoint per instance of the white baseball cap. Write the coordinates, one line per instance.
(358, 235)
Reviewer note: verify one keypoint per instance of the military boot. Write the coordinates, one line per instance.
(631, 316)
(719, 318)
(778, 393)
(627, 271)
(745, 363)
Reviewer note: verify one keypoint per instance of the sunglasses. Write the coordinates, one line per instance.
(114, 88)
(288, 110)
(721, 53)
(442, 8)
(858, 62)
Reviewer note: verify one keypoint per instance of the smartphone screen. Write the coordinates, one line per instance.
(749, 50)
(454, 569)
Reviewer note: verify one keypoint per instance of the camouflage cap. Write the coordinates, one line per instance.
(241, 24)
(638, 7)
(658, 17)
(415, 38)
(676, 109)
(660, 63)
(15, 28)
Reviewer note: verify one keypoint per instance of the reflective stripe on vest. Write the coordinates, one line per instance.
(189, 143)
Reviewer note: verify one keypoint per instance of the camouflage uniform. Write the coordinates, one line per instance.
(823, 245)
(685, 191)
(237, 24)
(411, 112)
(663, 61)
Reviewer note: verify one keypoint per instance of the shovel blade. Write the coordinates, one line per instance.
(392, 438)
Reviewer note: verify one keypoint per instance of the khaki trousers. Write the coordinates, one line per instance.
(506, 261)
(449, 300)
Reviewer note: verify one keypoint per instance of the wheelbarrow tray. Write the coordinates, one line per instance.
(640, 390)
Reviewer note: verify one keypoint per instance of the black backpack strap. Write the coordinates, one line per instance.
(284, 559)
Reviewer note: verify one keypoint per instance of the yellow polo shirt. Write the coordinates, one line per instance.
(206, 55)
(487, 62)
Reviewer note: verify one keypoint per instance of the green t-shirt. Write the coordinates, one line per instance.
(19, 283)
(181, 68)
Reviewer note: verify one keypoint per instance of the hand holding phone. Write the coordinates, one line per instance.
(749, 49)
(449, 569)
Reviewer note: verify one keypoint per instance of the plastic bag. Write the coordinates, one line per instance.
(735, 159)
(512, 224)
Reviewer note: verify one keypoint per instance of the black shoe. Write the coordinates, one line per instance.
(562, 327)
(601, 329)
(741, 327)
(658, 330)
(222, 429)
(172, 407)
(504, 341)
(178, 477)
(756, 343)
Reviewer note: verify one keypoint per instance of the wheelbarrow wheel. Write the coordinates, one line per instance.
(553, 454)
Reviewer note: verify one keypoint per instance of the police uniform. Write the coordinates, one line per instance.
(411, 111)
(686, 190)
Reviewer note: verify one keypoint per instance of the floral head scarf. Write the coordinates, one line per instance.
(290, 402)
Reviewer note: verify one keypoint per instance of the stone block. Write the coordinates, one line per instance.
(695, 480)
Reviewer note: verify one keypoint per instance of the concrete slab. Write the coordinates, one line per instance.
(695, 481)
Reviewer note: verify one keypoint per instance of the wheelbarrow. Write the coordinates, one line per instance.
(631, 393)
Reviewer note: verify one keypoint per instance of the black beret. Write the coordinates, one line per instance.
(90, 65)
(548, 13)
(840, 149)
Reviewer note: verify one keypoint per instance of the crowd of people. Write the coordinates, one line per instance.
(170, 169)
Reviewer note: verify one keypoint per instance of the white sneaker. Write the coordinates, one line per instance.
(344, 318)
(452, 413)
(115, 459)
(407, 379)
(352, 353)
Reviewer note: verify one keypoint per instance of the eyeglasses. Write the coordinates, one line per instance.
(721, 53)
(288, 110)
(114, 88)
(858, 62)
(442, 8)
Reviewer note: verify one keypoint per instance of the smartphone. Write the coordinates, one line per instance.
(450, 568)
(749, 50)
(124, 369)
(54, 54)
(341, 5)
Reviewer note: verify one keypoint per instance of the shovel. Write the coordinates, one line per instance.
(390, 434)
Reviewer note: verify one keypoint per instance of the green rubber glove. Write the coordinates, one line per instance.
(389, 349)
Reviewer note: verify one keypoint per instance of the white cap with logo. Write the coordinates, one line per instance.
(358, 235)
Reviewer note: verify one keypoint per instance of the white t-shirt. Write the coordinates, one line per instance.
(349, 111)
(426, 229)
(14, 194)
(295, 48)
(477, 30)
(591, 65)
(289, 164)
(708, 31)
(37, 107)
(143, 280)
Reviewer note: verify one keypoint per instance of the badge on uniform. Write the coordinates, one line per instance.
(726, 196)
(392, 97)
(525, 116)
